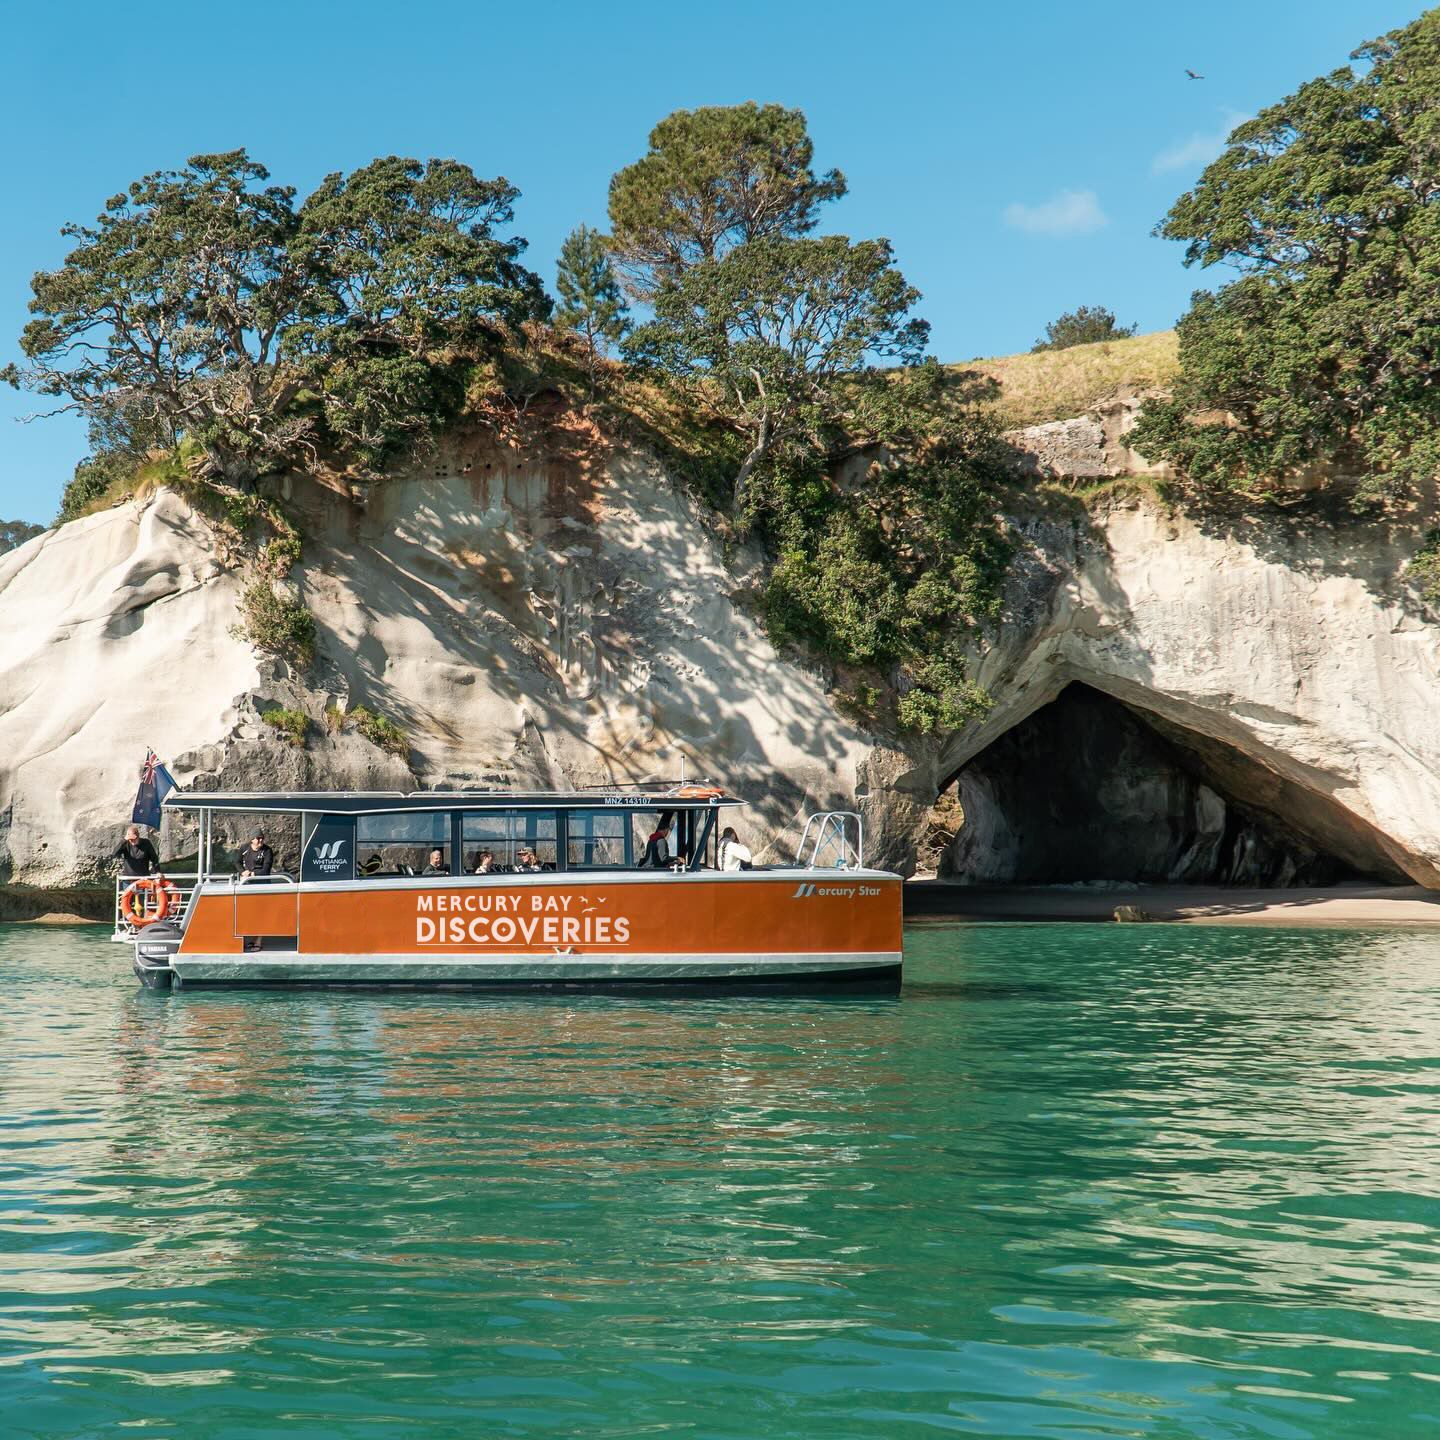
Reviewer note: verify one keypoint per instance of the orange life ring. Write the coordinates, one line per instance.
(134, 906)
(698, 792)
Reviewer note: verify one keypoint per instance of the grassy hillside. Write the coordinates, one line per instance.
(1057, 384)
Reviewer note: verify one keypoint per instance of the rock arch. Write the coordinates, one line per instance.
(1287, 672)
(1090, 788)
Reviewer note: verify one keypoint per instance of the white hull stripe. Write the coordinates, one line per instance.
(591, 879)
(270, 965)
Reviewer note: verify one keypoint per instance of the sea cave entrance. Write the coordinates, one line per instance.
(1089, 788)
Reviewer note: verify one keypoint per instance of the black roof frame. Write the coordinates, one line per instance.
(381, 802)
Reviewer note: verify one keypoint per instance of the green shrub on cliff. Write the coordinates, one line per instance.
(892, 576)
(276, 624)
(1425, 567)
(378, 729)
(1326, 350)
(93, 477)
(292, 724)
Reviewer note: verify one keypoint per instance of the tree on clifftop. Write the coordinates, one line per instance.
(785, 337)
(1327, 348)
(408, 269)
(170, 310)
(769, 333)
(202, 306)
(1089, 325)
(714, 178)
(590, 299)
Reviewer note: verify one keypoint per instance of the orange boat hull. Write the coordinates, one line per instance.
(623, 928)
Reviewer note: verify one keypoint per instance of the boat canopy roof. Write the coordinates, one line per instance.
(690, 795)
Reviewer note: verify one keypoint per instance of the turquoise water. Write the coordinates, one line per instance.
(1078, 1181)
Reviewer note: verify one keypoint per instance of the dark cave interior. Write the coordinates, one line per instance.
(1088, 788)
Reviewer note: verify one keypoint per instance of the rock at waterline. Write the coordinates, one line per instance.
(1132, 914)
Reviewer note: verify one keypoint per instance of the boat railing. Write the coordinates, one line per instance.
(180, 891)
(833, 840)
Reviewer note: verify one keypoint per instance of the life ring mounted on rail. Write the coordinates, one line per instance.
(136, 902)
(712, 793)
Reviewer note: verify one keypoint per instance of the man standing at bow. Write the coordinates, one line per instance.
(136, 854)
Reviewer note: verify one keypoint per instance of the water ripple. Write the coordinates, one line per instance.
(1079, 1181)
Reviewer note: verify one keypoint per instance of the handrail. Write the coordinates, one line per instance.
(185, 892)
(832, 827)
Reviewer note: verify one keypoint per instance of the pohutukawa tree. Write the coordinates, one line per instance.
(171, 310)
(407, 265)
(202, 306)
(590, 300)
(800, 344)
(714, 178)
(1327, 348)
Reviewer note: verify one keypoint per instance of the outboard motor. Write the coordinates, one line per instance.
(154, 945)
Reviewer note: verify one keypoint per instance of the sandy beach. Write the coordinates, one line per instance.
(1341, 905)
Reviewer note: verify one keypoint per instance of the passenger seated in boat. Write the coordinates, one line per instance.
(527, 862)
(657, 849)
(135, 853)
(733, 855)
(437, 865)
(256, 859)
(485, 863)
(371, 865)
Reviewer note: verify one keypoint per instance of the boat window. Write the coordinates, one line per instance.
(400, 843)
(596, 840)
(508, 835)
(645, 827)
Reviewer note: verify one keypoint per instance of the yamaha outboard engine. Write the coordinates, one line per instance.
(154, 945)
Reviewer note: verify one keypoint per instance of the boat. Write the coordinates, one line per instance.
(574, 896)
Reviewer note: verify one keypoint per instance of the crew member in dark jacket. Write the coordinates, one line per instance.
(255, 862)
(136, 855)
(256, 858)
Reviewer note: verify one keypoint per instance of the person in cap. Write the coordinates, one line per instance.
(257, 858)
(136, 854)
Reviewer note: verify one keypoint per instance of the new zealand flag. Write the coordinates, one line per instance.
(155, 785)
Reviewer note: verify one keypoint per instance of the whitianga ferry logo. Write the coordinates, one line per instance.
(329, 859)
(467, 918)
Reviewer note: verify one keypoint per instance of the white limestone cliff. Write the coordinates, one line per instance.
(533, 621)
(525, 623)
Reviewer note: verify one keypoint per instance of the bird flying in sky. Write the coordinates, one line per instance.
(1193, 75)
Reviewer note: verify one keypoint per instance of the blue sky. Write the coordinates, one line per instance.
(1017, 155)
